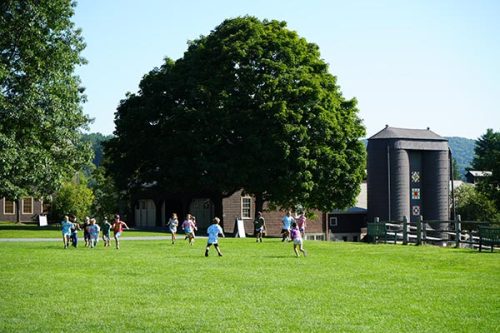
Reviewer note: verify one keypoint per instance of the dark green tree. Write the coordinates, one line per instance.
(487, 158)
(252, 106)
(40, 112)
(284, 126)
(106, 196)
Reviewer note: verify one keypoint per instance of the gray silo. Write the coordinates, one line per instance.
(408, 175)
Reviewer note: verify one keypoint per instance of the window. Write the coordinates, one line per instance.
(27, 204)
(9, 207)
(246, 206)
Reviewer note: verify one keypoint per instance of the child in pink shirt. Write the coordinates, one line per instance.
(297, 240)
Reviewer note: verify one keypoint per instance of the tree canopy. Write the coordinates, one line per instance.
(40, 112)
(250, 106)
(487, 158)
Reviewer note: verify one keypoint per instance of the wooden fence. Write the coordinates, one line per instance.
(445, 233)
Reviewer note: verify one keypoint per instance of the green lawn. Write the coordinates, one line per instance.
(152, 286)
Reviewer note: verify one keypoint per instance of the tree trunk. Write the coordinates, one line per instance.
(217, 200)
(259, 203)
(18, 210)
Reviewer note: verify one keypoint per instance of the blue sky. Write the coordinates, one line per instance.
(410, 64)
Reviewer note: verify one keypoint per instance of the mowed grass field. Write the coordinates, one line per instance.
(154, 286)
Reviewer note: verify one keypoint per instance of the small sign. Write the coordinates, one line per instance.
(42, 221)
(240, 228)
(415, 210)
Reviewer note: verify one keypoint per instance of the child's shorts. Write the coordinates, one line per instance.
(297, 241)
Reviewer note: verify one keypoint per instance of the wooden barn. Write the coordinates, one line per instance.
(152, 209)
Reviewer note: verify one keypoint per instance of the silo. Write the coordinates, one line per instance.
(411, 168)
(378, 177)
(400, 190)
(436, 199)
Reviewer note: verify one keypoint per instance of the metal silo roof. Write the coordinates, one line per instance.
(408, 134)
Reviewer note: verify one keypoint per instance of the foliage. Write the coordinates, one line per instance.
(106, 196)
(487, 158)
(251, 106)
(339, 287)
(473, 205)
(96, 141)
(73, 198)
(40, 112)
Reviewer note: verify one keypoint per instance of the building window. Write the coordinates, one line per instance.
(9, 207)
(246, 206)
(27, 204)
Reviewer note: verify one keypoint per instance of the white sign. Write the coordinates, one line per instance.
(42, 221)
(241, 229)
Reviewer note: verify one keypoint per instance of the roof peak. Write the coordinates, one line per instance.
(407, 133)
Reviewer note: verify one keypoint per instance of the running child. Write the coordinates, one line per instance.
(286, 222)
(189, 227)
(93, 229)
(172, 226)
(297, 240)
(106, 227)
(66, 226)
(301, 223)
(213, 236)
(260, 227)
(74, 230)
(86, 235)
(118, 229)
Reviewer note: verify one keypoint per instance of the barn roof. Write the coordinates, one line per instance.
(406, 133)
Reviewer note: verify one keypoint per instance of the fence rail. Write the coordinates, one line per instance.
(445, 233)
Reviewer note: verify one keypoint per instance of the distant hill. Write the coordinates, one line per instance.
(96, 140)
(463, 152)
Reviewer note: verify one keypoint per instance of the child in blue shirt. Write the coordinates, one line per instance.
(213, 236)
(66, 226)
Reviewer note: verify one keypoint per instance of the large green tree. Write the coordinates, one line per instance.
(40, 112)
(253, 106)
(487, 158)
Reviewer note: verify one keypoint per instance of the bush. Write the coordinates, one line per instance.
(473, 205)
(72, 199)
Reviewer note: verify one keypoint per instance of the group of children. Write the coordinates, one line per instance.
(91, 231)
(293, 229)
(189, 227)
